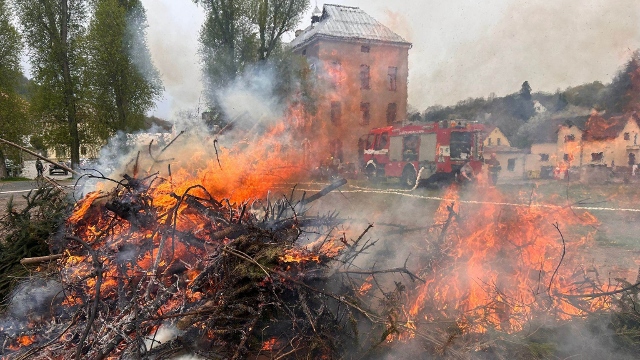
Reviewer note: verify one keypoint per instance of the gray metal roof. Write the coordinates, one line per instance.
(345, 22)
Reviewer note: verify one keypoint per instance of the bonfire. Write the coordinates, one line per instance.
(163, 263)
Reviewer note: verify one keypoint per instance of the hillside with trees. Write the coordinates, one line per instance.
(524, 114)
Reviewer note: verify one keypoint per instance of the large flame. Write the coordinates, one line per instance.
(499, 266)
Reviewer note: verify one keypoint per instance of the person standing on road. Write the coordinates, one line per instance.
(494, 169)
(39, 167)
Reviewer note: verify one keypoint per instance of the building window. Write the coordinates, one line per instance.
(566, 157)
(393, 77)
(336, 112)
(569, 138)
(544, 157)
(83, 150)
(511, 164)
(366, 114)
(365, 76)
(498, 141)
(365, 48)
(597, 156)
(336, 73)
(489, 141)
(392, 110)
(304, 52)
(627, 136)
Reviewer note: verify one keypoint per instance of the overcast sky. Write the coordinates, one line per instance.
(461, 48)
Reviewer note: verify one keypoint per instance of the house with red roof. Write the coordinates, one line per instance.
(612, 142)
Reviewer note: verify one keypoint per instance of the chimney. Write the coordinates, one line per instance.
(315, 16)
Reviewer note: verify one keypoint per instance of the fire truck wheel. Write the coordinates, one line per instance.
(409, 176)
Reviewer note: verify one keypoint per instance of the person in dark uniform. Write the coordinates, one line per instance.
(494, 169)
(39, 167)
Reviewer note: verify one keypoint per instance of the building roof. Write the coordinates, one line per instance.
(547, 132)
(599, 128)
(346, 22)
(488, 129)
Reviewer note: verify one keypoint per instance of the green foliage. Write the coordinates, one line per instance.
(274, 18)
(238, 33)
(13, 109)
(25, 232)
(525, 91)
(295, 82)
(53, 31)
(624, 92)
(121, 80)
(587, 95)
(10, 49)
(228, 41)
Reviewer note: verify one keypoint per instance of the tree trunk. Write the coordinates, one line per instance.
(69, 96)
(3, 166)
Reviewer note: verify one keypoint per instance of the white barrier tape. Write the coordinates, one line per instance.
(436, 198)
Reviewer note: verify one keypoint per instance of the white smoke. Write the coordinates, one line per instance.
(250, 99)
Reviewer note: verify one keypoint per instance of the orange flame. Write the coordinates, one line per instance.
(500, 266)
(299, 256)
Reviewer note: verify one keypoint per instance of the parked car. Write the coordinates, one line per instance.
(58, 170)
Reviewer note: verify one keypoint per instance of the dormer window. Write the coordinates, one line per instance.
(569, 138)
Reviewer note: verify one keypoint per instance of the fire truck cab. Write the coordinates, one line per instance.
(439, 149)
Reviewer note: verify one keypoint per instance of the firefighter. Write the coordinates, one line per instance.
(494, 169)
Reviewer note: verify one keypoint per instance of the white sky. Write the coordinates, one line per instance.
(461, 48)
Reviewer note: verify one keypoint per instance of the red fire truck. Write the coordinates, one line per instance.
(440, 149)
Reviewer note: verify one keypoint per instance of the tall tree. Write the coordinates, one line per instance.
(274, 18)
(228, 41)
(13, 108)
(121, 78)
(53, 30)
(237, 33)
(525, 91)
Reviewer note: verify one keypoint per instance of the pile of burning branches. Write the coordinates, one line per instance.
(225, 280)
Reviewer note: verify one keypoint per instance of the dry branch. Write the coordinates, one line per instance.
(40, 259)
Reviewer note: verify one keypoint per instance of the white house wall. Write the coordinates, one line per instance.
(534, 162)
(571, 148)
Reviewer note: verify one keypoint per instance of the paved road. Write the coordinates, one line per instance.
(17, 189)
